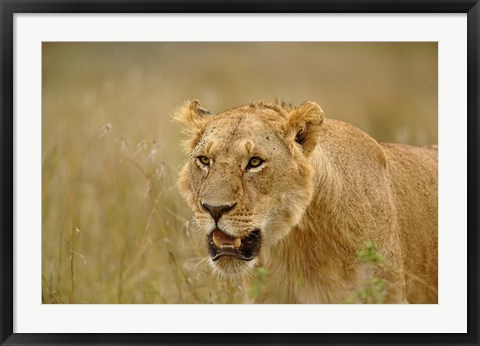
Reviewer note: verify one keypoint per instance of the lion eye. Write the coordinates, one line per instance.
(254, 162)
(204, 160)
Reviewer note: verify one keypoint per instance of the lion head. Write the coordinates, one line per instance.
(248, 179)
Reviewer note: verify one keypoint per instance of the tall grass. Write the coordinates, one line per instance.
(114, 228)
(126, 240)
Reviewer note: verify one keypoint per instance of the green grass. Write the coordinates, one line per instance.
(114, 227)
(373, 289)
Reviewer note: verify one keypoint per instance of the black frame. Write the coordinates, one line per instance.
(9, 7)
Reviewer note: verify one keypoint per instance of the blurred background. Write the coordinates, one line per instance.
(114, 227)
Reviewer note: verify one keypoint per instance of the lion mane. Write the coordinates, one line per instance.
(280, 186)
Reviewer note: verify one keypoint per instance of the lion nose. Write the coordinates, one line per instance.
(217, 210)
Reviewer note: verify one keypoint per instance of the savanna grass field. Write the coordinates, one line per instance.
(114, 227)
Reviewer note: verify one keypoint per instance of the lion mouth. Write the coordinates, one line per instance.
(244, 248)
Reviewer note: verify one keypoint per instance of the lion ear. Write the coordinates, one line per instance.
(304, 126)
(192, 115)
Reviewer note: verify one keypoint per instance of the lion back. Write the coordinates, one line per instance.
(414, 176)
(386, 193)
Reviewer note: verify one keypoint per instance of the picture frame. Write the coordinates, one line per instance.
(8, 11)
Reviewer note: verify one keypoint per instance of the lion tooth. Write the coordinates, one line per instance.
(223, 241)
(216, 241)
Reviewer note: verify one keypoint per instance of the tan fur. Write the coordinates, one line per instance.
(325, 189)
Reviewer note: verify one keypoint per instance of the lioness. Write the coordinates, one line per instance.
(281, 186)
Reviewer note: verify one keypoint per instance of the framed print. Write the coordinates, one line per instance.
(246, 172)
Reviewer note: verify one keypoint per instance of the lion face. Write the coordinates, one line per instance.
(248, 179)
